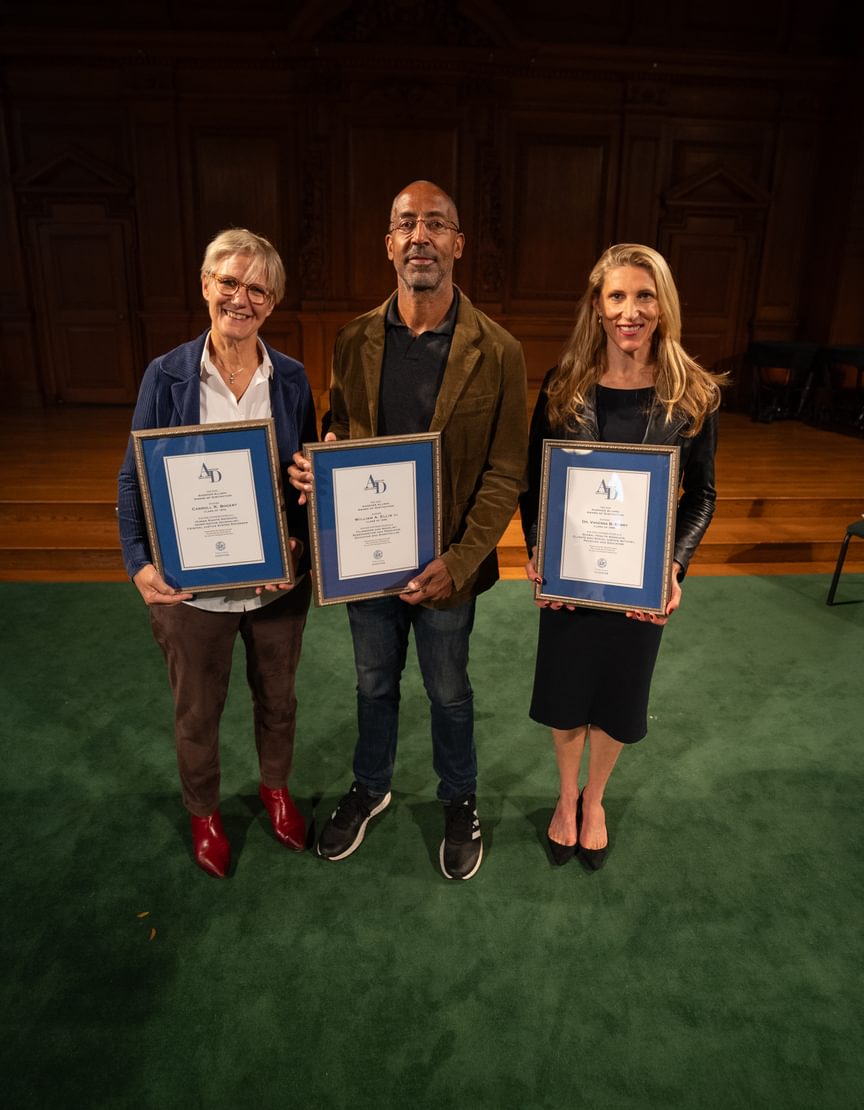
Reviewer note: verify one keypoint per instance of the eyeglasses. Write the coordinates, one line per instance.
(434, 225)
(228, 286)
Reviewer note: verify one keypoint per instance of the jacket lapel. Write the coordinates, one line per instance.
(371, 359)
(185, 392)
(463, 357)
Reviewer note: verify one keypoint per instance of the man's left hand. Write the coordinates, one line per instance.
(433, 583)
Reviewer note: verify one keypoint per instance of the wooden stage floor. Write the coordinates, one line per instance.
(786, 493)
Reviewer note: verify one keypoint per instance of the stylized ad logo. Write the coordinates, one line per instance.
(375, 484)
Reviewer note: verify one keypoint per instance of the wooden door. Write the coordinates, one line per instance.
(715, 270)
(87, 335)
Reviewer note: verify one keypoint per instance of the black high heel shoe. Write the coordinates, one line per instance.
(591, 858)
(563, 853)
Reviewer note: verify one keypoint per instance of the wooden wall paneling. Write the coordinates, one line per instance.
(161, 264)
(319, 331)
(238, 169)
(762, 27)
(19, 375)
(486, 236)
(542, 338)
(163, 331)
(314, 255)
(743, 149)
(832, 288)
(844, 318)
(83, 267)
(711, 233)
(776, 313)
(282, 331)
(710, 258)
(63, 115)
(13, 298)
(236, 183)
(77, 216)
(562, 211)
(19, 381)
(381, 160)
(640, 187)
(556, 135)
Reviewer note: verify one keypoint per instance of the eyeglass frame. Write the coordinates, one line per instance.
(447, 225)
(217, 277)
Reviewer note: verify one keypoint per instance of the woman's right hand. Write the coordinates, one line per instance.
(155, 590)
(531, 568)
(533, 577)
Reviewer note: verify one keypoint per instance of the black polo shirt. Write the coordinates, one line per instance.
(412, 372)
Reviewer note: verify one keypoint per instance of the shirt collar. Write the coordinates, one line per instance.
(208, 369)
(446, 327)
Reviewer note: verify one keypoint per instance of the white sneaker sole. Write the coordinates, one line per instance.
(385, 801)
(470, 874)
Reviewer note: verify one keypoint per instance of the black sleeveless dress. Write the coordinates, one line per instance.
(594, 666)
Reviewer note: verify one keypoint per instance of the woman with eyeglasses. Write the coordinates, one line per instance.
(623, 378)
(225, 375)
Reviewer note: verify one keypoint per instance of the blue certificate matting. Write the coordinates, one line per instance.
(643, 531)
(248, 517)
(418, 514)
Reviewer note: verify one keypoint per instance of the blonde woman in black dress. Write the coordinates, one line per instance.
(623, 378)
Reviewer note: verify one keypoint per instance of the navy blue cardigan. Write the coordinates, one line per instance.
(170, 397)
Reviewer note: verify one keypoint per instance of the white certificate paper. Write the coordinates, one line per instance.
(215, 509)
(605, 526)
(376, 518)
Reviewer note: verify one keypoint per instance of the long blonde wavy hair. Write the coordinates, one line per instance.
(681, 385)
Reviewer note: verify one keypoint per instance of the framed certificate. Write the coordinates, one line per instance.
(213, 505)
(374, 514)
(606, 529)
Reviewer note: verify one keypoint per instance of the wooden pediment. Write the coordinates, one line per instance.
(716, 188)
(73, 171)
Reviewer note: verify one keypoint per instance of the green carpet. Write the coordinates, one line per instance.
(714, 962)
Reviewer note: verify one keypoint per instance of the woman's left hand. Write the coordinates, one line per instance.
(674, 602)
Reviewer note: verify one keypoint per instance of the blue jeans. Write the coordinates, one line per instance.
(380, 628)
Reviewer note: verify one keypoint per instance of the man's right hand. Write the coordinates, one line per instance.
(155, 590)
(300, 471)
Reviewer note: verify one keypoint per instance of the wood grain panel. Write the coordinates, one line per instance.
(237, 183)
(710, 272)
(19, 380)
(86, 307)
(743, 150)
(157, 202)
(559, 212)
(792, 196)
(381, 161)
(637, 215)
(557, 131)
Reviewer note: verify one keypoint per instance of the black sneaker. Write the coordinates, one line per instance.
(461, 851)
(346, 827)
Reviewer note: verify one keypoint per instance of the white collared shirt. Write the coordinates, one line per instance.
(220, 406)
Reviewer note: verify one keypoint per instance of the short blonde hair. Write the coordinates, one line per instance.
(239, 240)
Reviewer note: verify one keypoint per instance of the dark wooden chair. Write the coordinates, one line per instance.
(839, 396)
(856, 528)
(783, 376)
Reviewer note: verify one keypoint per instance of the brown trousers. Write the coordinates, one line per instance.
(198, 647)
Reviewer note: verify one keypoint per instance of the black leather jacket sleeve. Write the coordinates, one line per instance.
(696, 473)
(698, 493)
